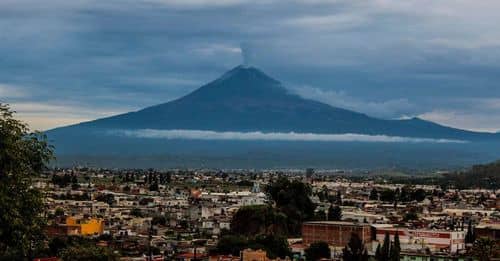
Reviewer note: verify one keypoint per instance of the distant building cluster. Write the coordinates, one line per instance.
(181, 214)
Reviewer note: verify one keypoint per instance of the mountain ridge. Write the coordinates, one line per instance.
(246, 99)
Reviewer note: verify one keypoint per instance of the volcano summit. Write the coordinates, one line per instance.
(242, 108)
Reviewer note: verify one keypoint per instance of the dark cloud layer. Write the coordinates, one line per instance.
(67, 61)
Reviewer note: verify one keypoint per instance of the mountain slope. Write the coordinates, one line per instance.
(245, 99)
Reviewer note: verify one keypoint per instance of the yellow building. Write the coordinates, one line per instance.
(92, 226)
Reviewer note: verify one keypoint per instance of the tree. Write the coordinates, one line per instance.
(106, 198)
(484, 248)
(410, 215)
(275, 246)
(470, 237)
(153, 186)
(159, 220)
(136, 212)
(355, 250)
(86, 252)
(231, 244)
(320, 215)
(317, 250)
(395, 249)
(338, 199)
(59, 212)
(386, 248)
(259, 219)
(334, 213)
(378, 253)
(419, 195)
(374, 194)
(23, 156)
(388, 195)
(292, 199)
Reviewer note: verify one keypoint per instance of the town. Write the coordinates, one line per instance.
(309, 214)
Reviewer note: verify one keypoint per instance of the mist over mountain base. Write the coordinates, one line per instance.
(224, 154)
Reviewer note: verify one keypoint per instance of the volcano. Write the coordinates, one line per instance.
(242, 100)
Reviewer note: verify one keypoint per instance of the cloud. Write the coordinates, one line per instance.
(44, 116)
(9, 91)
(469, 120)
(390, 109)
(327, 22)
(197, 3)
(274, 136)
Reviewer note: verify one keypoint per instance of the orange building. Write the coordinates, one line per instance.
(85, 227)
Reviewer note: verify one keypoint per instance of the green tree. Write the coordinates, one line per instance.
(378, 253)
(484, 249)
(320, 215)
(334, 213)
(317, 250)
(231, 244)
(395, 249)
(386, 247)
(470, 237)
(374, 194)
(23, 156)
(419, 195)
(56, 244)
(388, 195)
(86, 253)
(338, 199)
(410, 215)
(59, 212)
(292, 199)
(136, 212)
(275, 246)
(159, 220)
(355, 250)
(259, 219)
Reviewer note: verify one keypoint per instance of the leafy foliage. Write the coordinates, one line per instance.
(410, 215)
(292, 199)
(317, 250)
(136, 212)
(86, 253)
(275, 246)
(231, 244)
(334, 213)
(395, 249)
(259, 219)
(385, 249)
(470, 237)
(484, 249)
(23, 156)
(355, 250)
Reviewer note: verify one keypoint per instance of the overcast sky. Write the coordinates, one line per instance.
(63, 62)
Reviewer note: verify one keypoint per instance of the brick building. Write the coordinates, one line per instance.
(335, 233)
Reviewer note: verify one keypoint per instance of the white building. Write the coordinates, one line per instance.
(415, 239)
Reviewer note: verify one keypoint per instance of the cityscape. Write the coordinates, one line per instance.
(214, 215)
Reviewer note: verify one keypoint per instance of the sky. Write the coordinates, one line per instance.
(63, 62)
